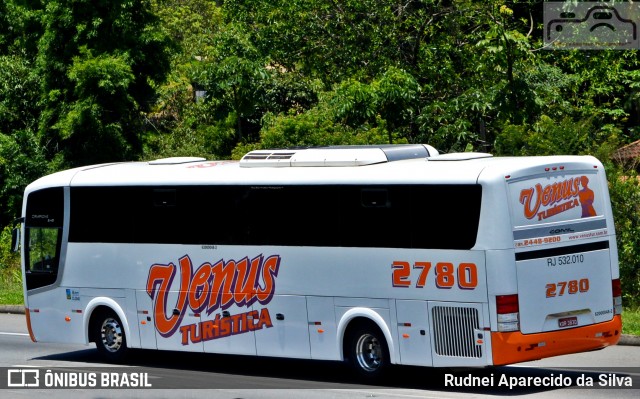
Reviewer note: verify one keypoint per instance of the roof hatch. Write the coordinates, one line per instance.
(336, 155)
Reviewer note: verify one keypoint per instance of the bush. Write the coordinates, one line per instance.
(624, 188)
(8, 259)
(10, 276)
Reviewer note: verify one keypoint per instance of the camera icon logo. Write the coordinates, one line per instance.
(23, 378)
(590, 25)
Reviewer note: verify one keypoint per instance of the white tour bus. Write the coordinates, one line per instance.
(375, 255)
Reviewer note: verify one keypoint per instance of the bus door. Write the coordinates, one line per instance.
(562, 250)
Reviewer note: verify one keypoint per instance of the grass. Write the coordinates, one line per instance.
(11, 297)
(10, 287)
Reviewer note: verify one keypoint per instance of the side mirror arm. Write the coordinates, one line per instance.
(15, 236)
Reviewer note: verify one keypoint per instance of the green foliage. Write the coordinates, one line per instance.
(4, 27)
(631, 321)
(193, 135)
(327, 123)
(354, 103)
(18, 94)
(316, 128)
(565, 136)
(191, 24)
(398, 94)
(322, 39)
(94, 123)
(10, 276)
(21, 157)
(352, 113)
(624, 188)
(21, 162)
(99, 62)
(8, 259)
(234, 77)
(177, 125)
(20, 27)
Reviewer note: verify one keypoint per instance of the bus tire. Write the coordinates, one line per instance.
(109, 335)
(367, 351)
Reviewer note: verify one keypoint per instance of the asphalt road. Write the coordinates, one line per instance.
(235, 377)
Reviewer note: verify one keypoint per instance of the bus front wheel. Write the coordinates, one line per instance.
(368, 353)
(109, 336)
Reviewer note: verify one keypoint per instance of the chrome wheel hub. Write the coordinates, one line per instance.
(369, 352)
(111, 333)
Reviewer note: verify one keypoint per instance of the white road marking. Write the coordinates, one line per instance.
(19, 334)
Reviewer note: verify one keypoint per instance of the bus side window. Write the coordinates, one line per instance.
(374, 217)
(445, 216)
(290, 215)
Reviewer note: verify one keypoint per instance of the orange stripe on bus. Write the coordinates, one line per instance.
(28, 317)
(515, 347)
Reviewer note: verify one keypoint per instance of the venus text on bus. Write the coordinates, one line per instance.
(210, 287)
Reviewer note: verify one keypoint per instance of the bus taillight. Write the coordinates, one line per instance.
(617, 296)
(508, 312)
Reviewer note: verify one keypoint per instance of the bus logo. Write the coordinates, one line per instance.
(213, 286)
(553, 199)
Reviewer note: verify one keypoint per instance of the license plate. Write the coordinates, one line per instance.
(568, 322)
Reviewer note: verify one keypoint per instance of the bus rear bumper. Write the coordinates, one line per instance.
(515, 347)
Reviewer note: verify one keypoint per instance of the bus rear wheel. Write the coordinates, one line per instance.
(108, 333)
(368, 353)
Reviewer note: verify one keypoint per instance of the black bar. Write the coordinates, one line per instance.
(573, 249)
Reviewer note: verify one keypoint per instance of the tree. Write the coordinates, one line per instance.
(19, 92)
(21, 162)
(234, 76)
(398, 94)
(20, 27)
(4, 27)
(625, 198)
(100, 62)
(333, 41)
(21, 159)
